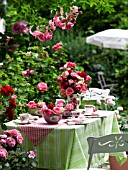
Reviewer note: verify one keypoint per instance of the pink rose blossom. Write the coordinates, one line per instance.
(42, 86)
(47, 111)
(70, 64)
(11, 142)
(63, 92)
(14, 132)
(110, 102)
(78, 87)
(65, 74)
(3, 142)
(69, 91)
(31, 71)
(88, 78)
(59, 78)
(84, 88)
(32, 105)
(3, 136)
(41, 104)
(57, 110)
(69, 107)
(3, 154)
(25, 73)
(14, 97)
(31, 154)
(60, 102)
(19, 139)
(75, 9)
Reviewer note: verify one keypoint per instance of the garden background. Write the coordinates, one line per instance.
(94, 16)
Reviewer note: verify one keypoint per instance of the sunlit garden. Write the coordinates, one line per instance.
(45, 60)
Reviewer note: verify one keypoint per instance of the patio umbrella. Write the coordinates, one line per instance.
(111, 38)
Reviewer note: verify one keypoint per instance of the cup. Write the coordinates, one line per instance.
(89, 109)
(24, 117)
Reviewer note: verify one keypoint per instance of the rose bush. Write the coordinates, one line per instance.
(28, 67)
(11, 155)
(7, 103)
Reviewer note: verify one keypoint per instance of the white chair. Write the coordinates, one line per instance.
(103, 82)
(96, 94)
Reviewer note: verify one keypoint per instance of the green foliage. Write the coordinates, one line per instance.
(18, 160)
(45, 70)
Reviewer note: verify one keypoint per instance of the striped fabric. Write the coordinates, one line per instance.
(36, 132)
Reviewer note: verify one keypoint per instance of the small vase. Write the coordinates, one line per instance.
(52, 118)
(78, 98)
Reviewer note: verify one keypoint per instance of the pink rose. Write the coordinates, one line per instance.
(32, 105)
(14, 132)
(70, 64)
(78, 87)
(69, 91)
(57, 110)
(59, 78)
(110, 102)
(3, 154)
(3, 136)
(3, 142)
(65, 74)
(31, 154)
(47, 111)
(70, 81)
(19, 139)
(31, 71)
(60, 102)
(42, 86)
(88, 78)
(11, 142)
(69, 107)
(84, 88)
(14, 97)
(63, 92)
(41, 104)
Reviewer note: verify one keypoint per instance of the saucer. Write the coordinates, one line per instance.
(18, 121)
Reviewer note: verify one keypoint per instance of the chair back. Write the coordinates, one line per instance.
(101, 79)
(96, 94)
(107, 144)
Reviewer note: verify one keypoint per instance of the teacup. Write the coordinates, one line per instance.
(24, 117)
(89, 109)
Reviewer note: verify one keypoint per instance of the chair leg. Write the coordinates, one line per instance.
(89, 161)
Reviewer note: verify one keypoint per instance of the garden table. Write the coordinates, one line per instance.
(62, 146)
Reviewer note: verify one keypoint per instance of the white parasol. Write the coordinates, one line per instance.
(111, 38)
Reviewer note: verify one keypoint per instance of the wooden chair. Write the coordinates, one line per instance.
(103, 82)
(107, 144)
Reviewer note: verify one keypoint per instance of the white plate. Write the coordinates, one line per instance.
(21, 122)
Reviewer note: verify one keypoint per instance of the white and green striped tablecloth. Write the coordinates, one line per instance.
(66, 147)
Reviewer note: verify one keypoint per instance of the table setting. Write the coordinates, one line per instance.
(60, 130)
